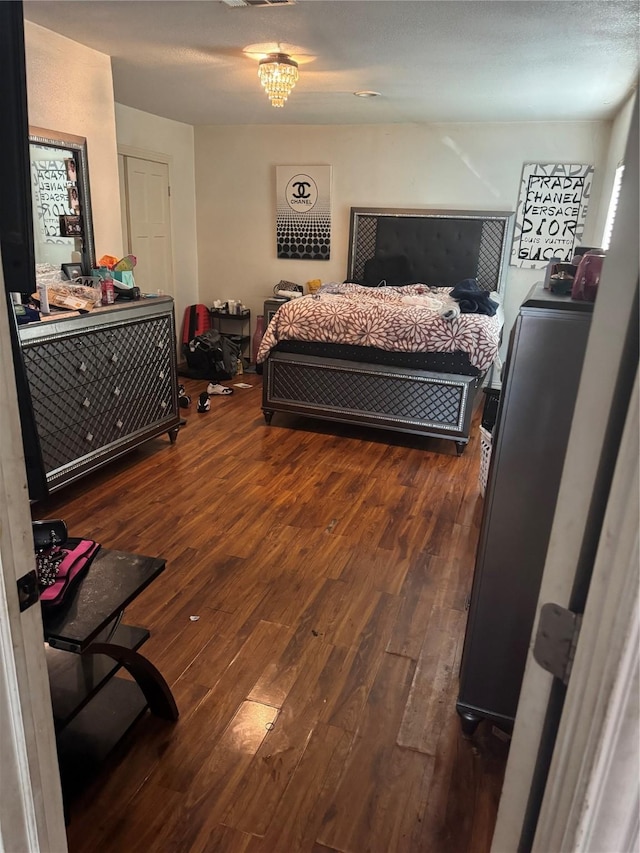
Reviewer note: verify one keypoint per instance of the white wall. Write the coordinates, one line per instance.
(146, 132)
(70, 89)
(455, 166)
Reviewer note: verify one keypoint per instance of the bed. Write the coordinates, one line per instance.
(429, 391)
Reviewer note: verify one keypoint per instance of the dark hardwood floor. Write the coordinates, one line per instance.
(329, 569)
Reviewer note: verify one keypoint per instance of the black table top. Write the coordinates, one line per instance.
(538, 297)
(112, 581)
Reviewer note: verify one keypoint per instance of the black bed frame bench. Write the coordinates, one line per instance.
(401, 399)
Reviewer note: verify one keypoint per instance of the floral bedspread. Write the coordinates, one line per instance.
(400, 319)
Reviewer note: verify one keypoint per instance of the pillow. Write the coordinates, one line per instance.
(394, 270)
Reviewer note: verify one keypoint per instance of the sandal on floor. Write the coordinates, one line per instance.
(218, 389)
(203, 402)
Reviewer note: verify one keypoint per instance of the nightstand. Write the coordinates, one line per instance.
(271, 305)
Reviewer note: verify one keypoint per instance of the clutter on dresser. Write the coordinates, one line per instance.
(587, 276)
(579, 251)
(549, 272)
(55, 290)
(25, 313)
(72, 271)
(107, 288)
(561, 278)
(560, 275)
(116, 277)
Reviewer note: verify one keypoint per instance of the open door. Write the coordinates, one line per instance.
(31, 813)
(566, 748)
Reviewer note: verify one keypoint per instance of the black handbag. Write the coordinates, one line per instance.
(212, 356)
(48, 533)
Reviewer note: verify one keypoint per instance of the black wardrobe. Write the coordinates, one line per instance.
(543, 367)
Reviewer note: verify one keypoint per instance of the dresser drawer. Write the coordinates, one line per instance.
(75, 441)
(76, 403)
(55, 366)
(101, 433)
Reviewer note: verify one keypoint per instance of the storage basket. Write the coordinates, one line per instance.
(485, 458)
(490, 408)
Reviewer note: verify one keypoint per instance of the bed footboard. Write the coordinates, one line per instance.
(393, 398)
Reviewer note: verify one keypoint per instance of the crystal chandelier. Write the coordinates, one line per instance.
(278, 74)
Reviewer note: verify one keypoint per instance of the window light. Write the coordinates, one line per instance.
(613, 206)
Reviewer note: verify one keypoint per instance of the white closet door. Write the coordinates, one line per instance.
(149, 223)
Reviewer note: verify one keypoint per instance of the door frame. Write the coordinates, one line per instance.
(592, 797)
(31, 810)
(586, 500)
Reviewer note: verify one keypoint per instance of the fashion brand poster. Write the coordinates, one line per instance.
(52, 196)
(551, 211)
(303, 212)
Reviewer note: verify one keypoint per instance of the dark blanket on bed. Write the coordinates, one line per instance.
(472, 299)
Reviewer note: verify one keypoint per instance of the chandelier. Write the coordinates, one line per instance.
(278, 73)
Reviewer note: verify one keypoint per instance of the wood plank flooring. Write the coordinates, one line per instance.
(329, 568)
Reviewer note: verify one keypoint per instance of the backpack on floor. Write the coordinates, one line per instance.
(211, 356)
(197, 320)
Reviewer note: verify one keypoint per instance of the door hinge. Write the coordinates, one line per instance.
(169, 190)
(556, 639)
(28, 590)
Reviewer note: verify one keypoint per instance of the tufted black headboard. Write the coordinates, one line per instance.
(441, 247)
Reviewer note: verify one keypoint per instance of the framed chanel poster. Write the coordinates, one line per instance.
(551, 212)
(303, 212)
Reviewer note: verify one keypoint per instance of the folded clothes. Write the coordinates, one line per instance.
(472, 299)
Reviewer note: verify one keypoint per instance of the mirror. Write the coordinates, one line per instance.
(62, 222)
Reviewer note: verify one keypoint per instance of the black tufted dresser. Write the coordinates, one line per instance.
(101, 384)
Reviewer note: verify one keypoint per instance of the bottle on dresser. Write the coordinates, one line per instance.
(108, 292)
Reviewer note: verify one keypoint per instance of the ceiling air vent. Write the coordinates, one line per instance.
(259, 2)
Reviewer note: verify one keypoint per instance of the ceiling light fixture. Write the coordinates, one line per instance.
(367, 93)
(278, 73)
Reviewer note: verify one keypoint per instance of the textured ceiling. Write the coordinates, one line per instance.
(456, 60)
